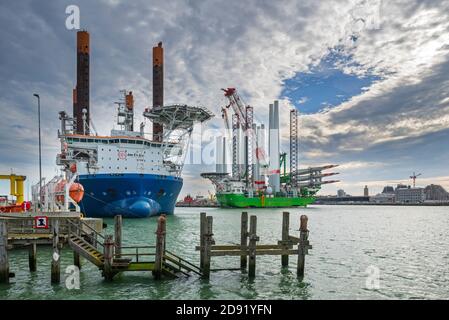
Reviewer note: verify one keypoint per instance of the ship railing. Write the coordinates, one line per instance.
(134, 254)
(181, 263)
(92, 236)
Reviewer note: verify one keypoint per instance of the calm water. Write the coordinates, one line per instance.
(408, 245)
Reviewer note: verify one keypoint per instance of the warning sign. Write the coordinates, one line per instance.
(41, 222)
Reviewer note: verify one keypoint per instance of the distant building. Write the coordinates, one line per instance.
(436, 192)
(365, 191)
(388, 190)
(409, 195)
(383, 198)
(341, 193)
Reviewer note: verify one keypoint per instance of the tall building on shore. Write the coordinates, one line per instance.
(341, 193)
(436, 193)
(410, 195)
(365, 191)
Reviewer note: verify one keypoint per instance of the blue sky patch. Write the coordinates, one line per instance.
(325, 86)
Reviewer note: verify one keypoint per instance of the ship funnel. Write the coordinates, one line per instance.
(158, 87)
(81, 92)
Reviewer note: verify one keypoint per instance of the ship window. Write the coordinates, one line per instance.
(82, 140)
(132, 141)
(109, 167)
(105, 141)
(128, 192)
(116, 140)
(139, 142)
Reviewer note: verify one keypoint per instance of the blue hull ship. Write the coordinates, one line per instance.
(128, 172)
(129, 195)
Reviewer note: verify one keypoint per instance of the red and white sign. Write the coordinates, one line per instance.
(121, 155)
(41, 222)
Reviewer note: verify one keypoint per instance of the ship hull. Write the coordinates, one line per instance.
(240, 201)
(129, 195)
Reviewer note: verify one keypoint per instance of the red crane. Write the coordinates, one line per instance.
(413, 177)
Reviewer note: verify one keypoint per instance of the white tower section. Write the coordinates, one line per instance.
(274, 169)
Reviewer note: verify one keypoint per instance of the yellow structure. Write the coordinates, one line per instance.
(16, 186)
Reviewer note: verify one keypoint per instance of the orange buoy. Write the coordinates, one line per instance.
(76, 192)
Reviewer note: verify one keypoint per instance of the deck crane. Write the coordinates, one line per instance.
(239, 108)
(413, 177)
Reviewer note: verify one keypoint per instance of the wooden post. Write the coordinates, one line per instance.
(118, 235)
(160, 236)
(303, 245)
(32, 256)
(285, 235)
(4, 263)
(253, 238)
(76, 255)
(56, 259)
(208, 241)
(108, 257)
(203, 231)
(244, 239)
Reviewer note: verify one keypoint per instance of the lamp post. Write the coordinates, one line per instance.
(40, 158)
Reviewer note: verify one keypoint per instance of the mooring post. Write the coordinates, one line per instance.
(244, 239)
(108, 257)
(4, 263)
(285, 236)
(208, 241)
(253, 238)
(303, 245)
(160, 237)
(118, 235)
(203, 228)
(32, 251)
(76, 255)
(56, 259)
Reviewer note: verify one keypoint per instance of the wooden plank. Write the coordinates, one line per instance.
(285, 237)
(252, 246)
(262, 252)
(32, 252)
(4, 263)
(118, 222)
(302, 246)
(56, 258)
(108, 257)
(244, 239)
(207, 246)
(160, 237)
(203, 227)
(237, 247)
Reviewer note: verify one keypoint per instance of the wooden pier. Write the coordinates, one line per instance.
(248, 249)
(85, 239)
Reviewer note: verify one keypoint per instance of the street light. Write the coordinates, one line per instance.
(40, 158)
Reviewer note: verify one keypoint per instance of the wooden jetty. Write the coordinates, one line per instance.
(104, 251)
(248, 249)
(85, 238)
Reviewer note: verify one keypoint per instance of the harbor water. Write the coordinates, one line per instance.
(359, 252)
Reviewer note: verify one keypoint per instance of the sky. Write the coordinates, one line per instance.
(370, 78)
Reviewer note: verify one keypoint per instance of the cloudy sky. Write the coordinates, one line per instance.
(370, 78)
